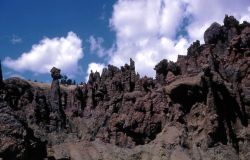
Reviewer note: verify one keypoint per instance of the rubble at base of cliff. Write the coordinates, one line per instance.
(195, 108)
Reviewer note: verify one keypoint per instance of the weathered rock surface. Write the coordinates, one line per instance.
(57, 115)
(196, 108)
(213, 33)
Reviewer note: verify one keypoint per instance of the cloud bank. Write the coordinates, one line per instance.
(151, 30)
(61, 52)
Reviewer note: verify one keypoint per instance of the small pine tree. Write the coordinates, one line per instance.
(69, 82)
(64, 79)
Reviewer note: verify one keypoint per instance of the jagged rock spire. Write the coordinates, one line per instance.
(132, 64)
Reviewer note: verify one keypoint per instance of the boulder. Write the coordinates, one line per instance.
(213, 33)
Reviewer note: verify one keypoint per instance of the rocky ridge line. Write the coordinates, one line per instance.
(196, 108)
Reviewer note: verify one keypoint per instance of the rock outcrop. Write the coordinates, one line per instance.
(195, 108)
(18, 140)
(57, 115)
(213, 33)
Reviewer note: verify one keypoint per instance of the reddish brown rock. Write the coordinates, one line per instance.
(196, 108)
(57, 115)
(213, 33)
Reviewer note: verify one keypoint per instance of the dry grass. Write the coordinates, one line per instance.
(46, 86)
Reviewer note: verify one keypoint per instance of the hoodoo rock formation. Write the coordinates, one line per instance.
(57, 116)
(196, 108)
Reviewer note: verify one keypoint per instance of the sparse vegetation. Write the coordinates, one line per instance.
(67, 81)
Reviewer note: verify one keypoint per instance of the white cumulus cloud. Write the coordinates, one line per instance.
(61, 52)
(96, 46)
(94, 67)
(151, 30)
(146, 31)
(204, 13)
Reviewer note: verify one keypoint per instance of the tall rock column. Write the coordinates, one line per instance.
(57, 115)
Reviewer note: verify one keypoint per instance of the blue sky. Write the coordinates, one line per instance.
(25, 22)
(83, 35)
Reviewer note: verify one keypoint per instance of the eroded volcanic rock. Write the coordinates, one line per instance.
(196, 108)
(57, 115)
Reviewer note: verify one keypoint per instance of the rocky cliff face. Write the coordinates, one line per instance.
(197, 108)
